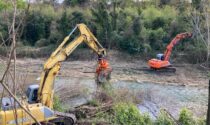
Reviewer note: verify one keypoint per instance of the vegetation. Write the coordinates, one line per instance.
(163, 119)
(123, 111)
(57, 106)
(128, 114)
(134, 27)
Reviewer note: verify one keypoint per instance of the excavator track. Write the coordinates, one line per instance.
(64, 118)
(152, 70)
(167, 70)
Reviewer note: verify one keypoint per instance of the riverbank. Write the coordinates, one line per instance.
(172, 91)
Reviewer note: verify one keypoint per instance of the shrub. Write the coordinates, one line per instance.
(131, 44)
(42, 42)
(186, 117)
(57, 104)
(195, 52)
(37, 27)
(128, 114)
(163, 119)
(201, 121)
(55, 38)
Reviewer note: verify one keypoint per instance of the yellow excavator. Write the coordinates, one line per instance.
(40, 97)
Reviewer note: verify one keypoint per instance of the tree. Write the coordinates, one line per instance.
(74, 2)
(13, 32)
(137, 26)
(164, 2)
(102, 19)
(200, 22)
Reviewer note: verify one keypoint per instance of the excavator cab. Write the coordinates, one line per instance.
(32, 93)
(160, 56)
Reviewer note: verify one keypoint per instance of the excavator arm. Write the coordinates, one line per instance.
(53, 64)
(169, 48)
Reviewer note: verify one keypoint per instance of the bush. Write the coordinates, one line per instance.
(155, 37)
(186, 117)
(131, 44)
(55, 38)
(195, 52)
(201, 121)
(163, 119)
(57, 104)
(128, 114)
(42, 42)
(37, 27)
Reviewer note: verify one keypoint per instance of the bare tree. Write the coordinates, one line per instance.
(200, 22)
(12, 31)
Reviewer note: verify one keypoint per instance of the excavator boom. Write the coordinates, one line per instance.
(175, 41)
(52, 65)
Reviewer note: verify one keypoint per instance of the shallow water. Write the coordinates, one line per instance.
(179, 93)
(153, 96)
(170, 97)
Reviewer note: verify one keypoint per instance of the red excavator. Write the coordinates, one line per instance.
(162, 61)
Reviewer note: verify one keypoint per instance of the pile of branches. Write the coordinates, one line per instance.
(89, 111)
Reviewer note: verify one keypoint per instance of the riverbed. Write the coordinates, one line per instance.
(152, 96)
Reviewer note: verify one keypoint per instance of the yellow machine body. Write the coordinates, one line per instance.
(8, 117)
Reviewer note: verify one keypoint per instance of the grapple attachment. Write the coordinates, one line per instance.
(103, 71)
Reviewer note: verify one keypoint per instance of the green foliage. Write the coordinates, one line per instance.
(186, 117)
(42, 42)
(131, 26)
(131, 44)
(21, 4)
(68, 21)
(57, 104)
(93, 102)
(74, 2)
(195, 52)
(5, 4)
(196, 3)
(164, 2)
(201, 121)
(128, 114)
(102, 20)
(155, 38)
(38, 27)
(137, 26)
(63, 23)
(163, 119)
